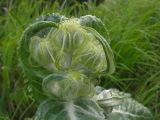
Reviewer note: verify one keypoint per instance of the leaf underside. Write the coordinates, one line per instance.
(123, 107)
(72, 110)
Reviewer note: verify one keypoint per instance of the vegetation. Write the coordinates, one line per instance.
(134, 32)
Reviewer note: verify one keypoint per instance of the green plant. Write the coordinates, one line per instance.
(134, 31)
(63, 58)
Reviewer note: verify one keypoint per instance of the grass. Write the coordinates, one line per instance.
(134, 31)
(134, 27)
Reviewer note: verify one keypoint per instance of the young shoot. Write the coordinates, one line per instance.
(62, 58)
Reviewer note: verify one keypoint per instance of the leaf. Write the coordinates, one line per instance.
(94, 22)
(32, 73)
(111, 97)
(107, 49)
(120, 106)
(68, 85)
(51, 17)
(72, 110)
(130, 110)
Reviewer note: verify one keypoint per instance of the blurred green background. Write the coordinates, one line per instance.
(134, 33)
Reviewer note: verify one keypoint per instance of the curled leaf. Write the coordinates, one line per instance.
(68, 86)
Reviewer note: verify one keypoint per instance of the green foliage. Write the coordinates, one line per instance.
(53, 54)
(134, 31)
(68, 86)
(56, 43)
(72, 110)
(120, 106)
(133, 27)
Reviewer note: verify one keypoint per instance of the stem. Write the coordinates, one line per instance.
(71, 110)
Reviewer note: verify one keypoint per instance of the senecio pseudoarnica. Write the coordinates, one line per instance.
(62, 58)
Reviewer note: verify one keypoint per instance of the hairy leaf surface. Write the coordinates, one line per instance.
(120, 106)
(71, 110)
